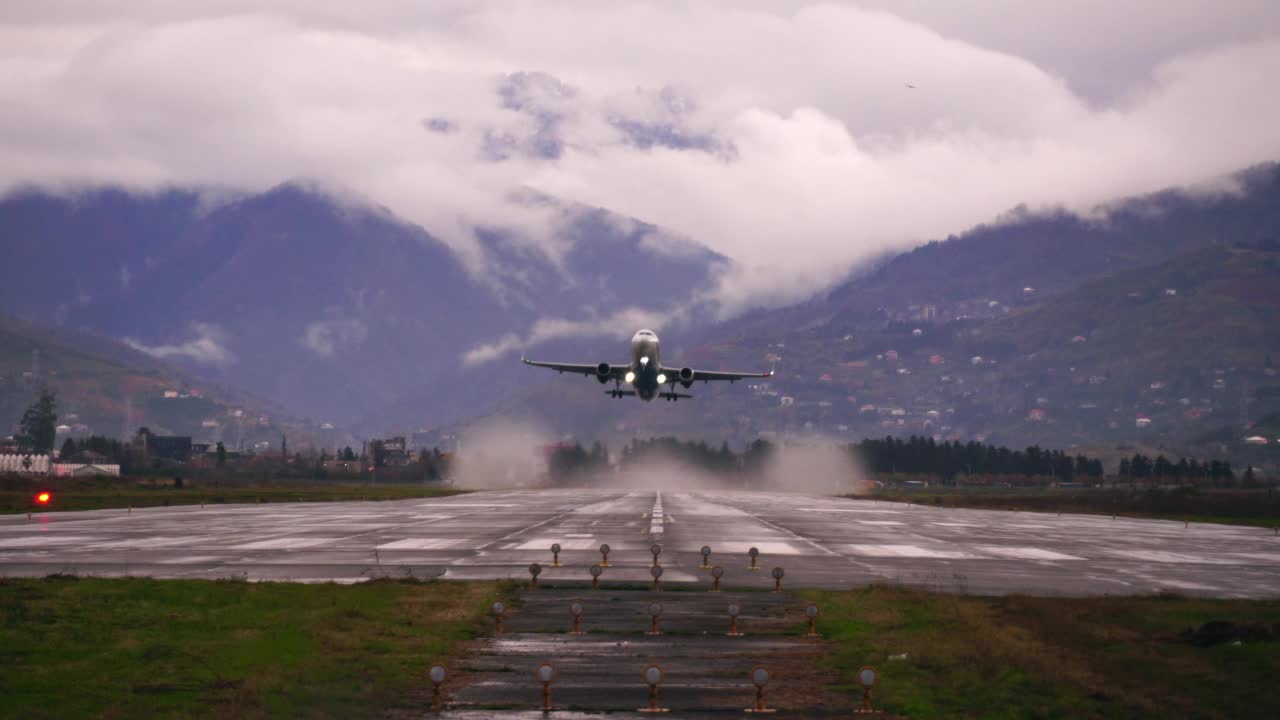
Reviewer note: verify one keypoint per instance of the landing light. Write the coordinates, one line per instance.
(662, 379)
(630, 377)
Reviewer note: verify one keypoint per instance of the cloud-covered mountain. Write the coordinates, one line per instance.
(330, 307)
(1039, 328)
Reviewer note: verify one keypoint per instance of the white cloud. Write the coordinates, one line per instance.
(780, 134)
(326, 337)
(208, 347)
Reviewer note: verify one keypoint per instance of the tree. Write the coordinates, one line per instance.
(68, 450)
(221, 454)
(40, 423)
(347, 454)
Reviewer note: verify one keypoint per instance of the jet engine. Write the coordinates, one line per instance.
(686, 376)
(603, 373)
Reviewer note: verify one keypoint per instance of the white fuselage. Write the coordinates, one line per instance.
(645, 375)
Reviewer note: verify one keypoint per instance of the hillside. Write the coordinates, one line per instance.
(331, 308)
(1171, 298)
(105, 387)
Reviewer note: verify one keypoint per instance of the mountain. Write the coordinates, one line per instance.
(1169, 300)
(333, 309)
(104, 387)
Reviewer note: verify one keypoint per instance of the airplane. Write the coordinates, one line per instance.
(645, 373)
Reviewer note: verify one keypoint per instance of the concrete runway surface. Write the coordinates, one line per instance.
(818, 541)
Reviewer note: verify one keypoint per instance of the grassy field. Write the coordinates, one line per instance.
(1023, 657)
(1231, 507)
(137, 648)
(120, 494)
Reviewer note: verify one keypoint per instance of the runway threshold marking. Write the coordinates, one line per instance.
(534, 526)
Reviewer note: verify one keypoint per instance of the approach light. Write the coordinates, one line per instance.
(545, 674)
(630, 377)
(44, 497)
(436, 675)
(655, 612)
(759, 678)
(653, 678)
(867, 678)
(662, 379)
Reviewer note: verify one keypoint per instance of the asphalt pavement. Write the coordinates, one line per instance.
(817, 541)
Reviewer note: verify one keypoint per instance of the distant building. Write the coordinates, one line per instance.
(164, 447)
(85, 469)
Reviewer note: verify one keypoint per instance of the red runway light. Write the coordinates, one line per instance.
(43, 498)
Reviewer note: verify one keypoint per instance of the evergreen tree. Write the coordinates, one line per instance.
(40, 423)
(221, 454)
(68, 450)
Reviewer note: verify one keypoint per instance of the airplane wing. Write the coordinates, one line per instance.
(708, 375)
(616, 371)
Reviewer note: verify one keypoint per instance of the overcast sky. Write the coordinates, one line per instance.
(782, 134)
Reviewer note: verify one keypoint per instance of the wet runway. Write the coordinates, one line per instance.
(818, 541)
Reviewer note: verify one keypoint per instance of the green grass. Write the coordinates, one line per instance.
(140, 648)
(1229, 507)
(1024, 657)
(133, 495)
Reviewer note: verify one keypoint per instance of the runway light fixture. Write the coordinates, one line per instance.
(655, 612)
(812, 613)
(759, 678)
(436, 675)
(44, 497)
(706, 556)
(653, 678)
(656, 572)
(656, 549)
(604, 555)
(753, 553)
(555, 555)
(717, 572)
(545, 674)
(777, 579)
(734, 611)
(499, 610)
(534, 571)
(867, 678)
(576, 611)
(595, 571)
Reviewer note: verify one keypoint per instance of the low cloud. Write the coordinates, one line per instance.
(327, 337)
(208, 347)
(621, 325)
(781, 133)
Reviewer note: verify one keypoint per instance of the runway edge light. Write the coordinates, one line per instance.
(43, 498)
